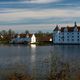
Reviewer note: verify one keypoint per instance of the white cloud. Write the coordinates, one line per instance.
(31, 1)
(32, 28)
(17, 14)
(43, 1)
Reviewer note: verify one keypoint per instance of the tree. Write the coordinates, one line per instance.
(10, 33)
(40, 32)
(26, 32)
(3, 32)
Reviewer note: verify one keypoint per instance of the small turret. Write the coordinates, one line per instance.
(75, 25)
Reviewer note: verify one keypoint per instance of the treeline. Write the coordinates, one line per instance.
(7, 35)
(40, 33)
(12, 32)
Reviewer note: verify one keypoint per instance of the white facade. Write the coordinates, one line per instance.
(33, 39)
(66, 35)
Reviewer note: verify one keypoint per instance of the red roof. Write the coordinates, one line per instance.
(44, 38)
(62, 29)
(69, 29)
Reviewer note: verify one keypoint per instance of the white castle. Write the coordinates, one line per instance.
(66, 35)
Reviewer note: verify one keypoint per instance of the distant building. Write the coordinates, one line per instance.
(24, 38)
(66, 35)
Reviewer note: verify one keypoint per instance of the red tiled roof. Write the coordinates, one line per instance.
(44, 38)
(62, 29)
(69, 29)
(30, 35)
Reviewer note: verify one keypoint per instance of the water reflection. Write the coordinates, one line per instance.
(33, 45)
(33, 53)
(33, 60)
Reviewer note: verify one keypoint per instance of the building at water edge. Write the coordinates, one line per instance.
(66, 35)
(24, 38)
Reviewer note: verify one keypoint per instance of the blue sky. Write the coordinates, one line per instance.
(35, 15)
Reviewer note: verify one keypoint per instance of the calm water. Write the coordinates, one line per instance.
(35, 60)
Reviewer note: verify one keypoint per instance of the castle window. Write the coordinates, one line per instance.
(62, 37)
(72, 36)
(72, 39)
(77, 39)
(72, 33)
(67, 36)
(78, 36)
(78, 33)
(67, 33)
(67, 39)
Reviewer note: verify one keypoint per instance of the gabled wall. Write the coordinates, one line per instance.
(33, 39)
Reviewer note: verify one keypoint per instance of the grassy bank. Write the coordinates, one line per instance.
(42, 43)
(37, 43)
(4, 42)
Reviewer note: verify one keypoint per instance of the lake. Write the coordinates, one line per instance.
(35, 60)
